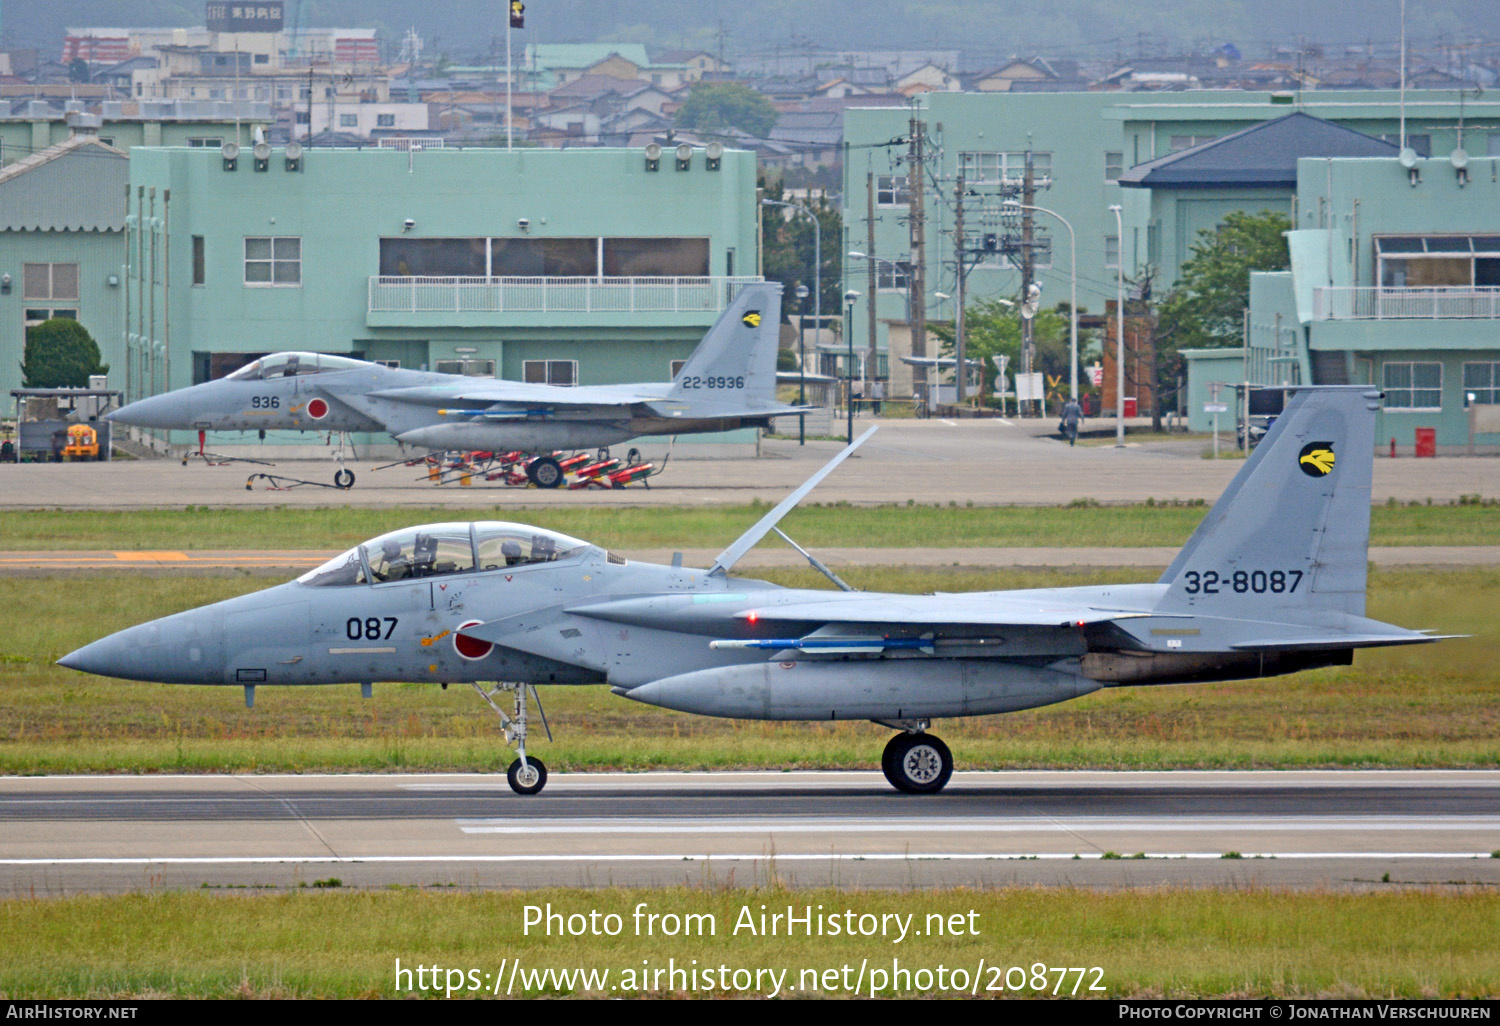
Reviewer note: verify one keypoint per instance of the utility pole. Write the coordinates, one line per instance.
(1028, 269)
(958, 317)
(870, 278)
(917, 273)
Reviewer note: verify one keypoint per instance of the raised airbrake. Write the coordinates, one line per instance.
(728, 382)
(1271, 582)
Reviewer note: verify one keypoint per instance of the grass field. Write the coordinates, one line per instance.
(624, 528)
(1423, 706)
(1147, 943)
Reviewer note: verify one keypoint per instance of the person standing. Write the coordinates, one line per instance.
(1072, 417)
(877, 394)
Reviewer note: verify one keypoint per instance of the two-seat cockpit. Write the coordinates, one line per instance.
(440, 549)
(294, 365)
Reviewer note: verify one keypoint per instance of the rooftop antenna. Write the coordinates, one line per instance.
(1403, 74)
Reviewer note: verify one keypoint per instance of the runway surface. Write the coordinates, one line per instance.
(1299, 829)
(987, 462)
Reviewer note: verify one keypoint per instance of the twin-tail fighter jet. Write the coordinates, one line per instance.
(1272, 582)
(728, 382)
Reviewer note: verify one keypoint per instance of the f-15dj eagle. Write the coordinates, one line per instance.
(1272, 581)
(728, 382)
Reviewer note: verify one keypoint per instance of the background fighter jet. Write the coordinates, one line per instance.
(1273, 581)
(728, 382)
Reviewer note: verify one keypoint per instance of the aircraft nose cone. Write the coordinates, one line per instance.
(158, 411)
(105, 657)
(183, 649)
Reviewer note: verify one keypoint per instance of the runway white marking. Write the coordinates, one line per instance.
(811, 825)
(739, 857)
(950, 423)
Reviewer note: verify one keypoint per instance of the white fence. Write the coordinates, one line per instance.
(1350, 303)
(400, 294)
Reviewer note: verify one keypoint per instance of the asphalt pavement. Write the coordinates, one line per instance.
(1339, 829)
(983, 461)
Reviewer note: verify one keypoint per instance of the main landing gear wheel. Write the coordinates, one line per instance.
(545, 472)
(528, 777)
(917, 763)
(344, 478)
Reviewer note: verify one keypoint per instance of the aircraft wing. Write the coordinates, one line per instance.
(899, 611)
(483, 393)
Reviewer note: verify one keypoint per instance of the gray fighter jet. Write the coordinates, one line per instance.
(728, 382)
(1273, 581)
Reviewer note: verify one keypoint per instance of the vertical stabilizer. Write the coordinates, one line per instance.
(737, 358)
(1291, 533)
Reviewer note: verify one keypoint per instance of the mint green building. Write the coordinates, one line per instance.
(33, 125)
(62, 230)
(586, 266)
(1080, 146)
(1394, 282)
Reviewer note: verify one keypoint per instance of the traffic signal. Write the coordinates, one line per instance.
(517, 14)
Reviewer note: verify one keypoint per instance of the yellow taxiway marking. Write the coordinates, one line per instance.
(152, 555)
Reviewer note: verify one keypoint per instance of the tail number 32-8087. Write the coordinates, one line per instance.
(1258, 582)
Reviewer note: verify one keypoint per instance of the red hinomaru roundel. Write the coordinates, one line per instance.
(317, 409)
(470, 648)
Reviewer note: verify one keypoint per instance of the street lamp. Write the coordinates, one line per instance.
(801, 361)
(1119, 327)
(850, 298)
(1073, 296)
(817, 298)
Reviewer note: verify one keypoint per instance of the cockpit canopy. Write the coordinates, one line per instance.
(293, 365)
(434, 550)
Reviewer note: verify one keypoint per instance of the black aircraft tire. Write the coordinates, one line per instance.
(917, 763)
(545, 472)
(344, 478)
(538, 776)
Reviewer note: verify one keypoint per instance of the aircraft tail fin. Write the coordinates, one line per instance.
(1291, 533)
(737, 358)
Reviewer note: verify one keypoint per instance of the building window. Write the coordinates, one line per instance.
(676, 366)
(469, 368)
(1008, 166)
(348, 120)
(49, 281)
(1438, 261)
(198, 260)
(36, 315)
(891, 191)
(262, 58)
(385, 121)
(205, 142)
(1114, 165)
(1413, 386)
(550, 372)
(1482, 381)
(107, 140)
(302, 117)
(892, 276)
(1187, 142)
(1421, 143)
(1112, 251)
(273, 260)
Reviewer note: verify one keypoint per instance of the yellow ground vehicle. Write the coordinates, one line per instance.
(83, 443)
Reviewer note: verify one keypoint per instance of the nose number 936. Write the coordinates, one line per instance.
(265, 402)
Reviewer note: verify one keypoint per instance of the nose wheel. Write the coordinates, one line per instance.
(917, 763)
(527, 775)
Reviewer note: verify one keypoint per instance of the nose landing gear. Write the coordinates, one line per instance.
(916, 762)
(527, 775)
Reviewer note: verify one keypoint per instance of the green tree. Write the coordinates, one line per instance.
(60, 353)
(991, 328)
(1206, 308)
(78, 70)
(787, 248)
(716, 106)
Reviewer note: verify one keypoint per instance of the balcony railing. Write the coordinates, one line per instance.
(401, 294)
(1367, 303)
